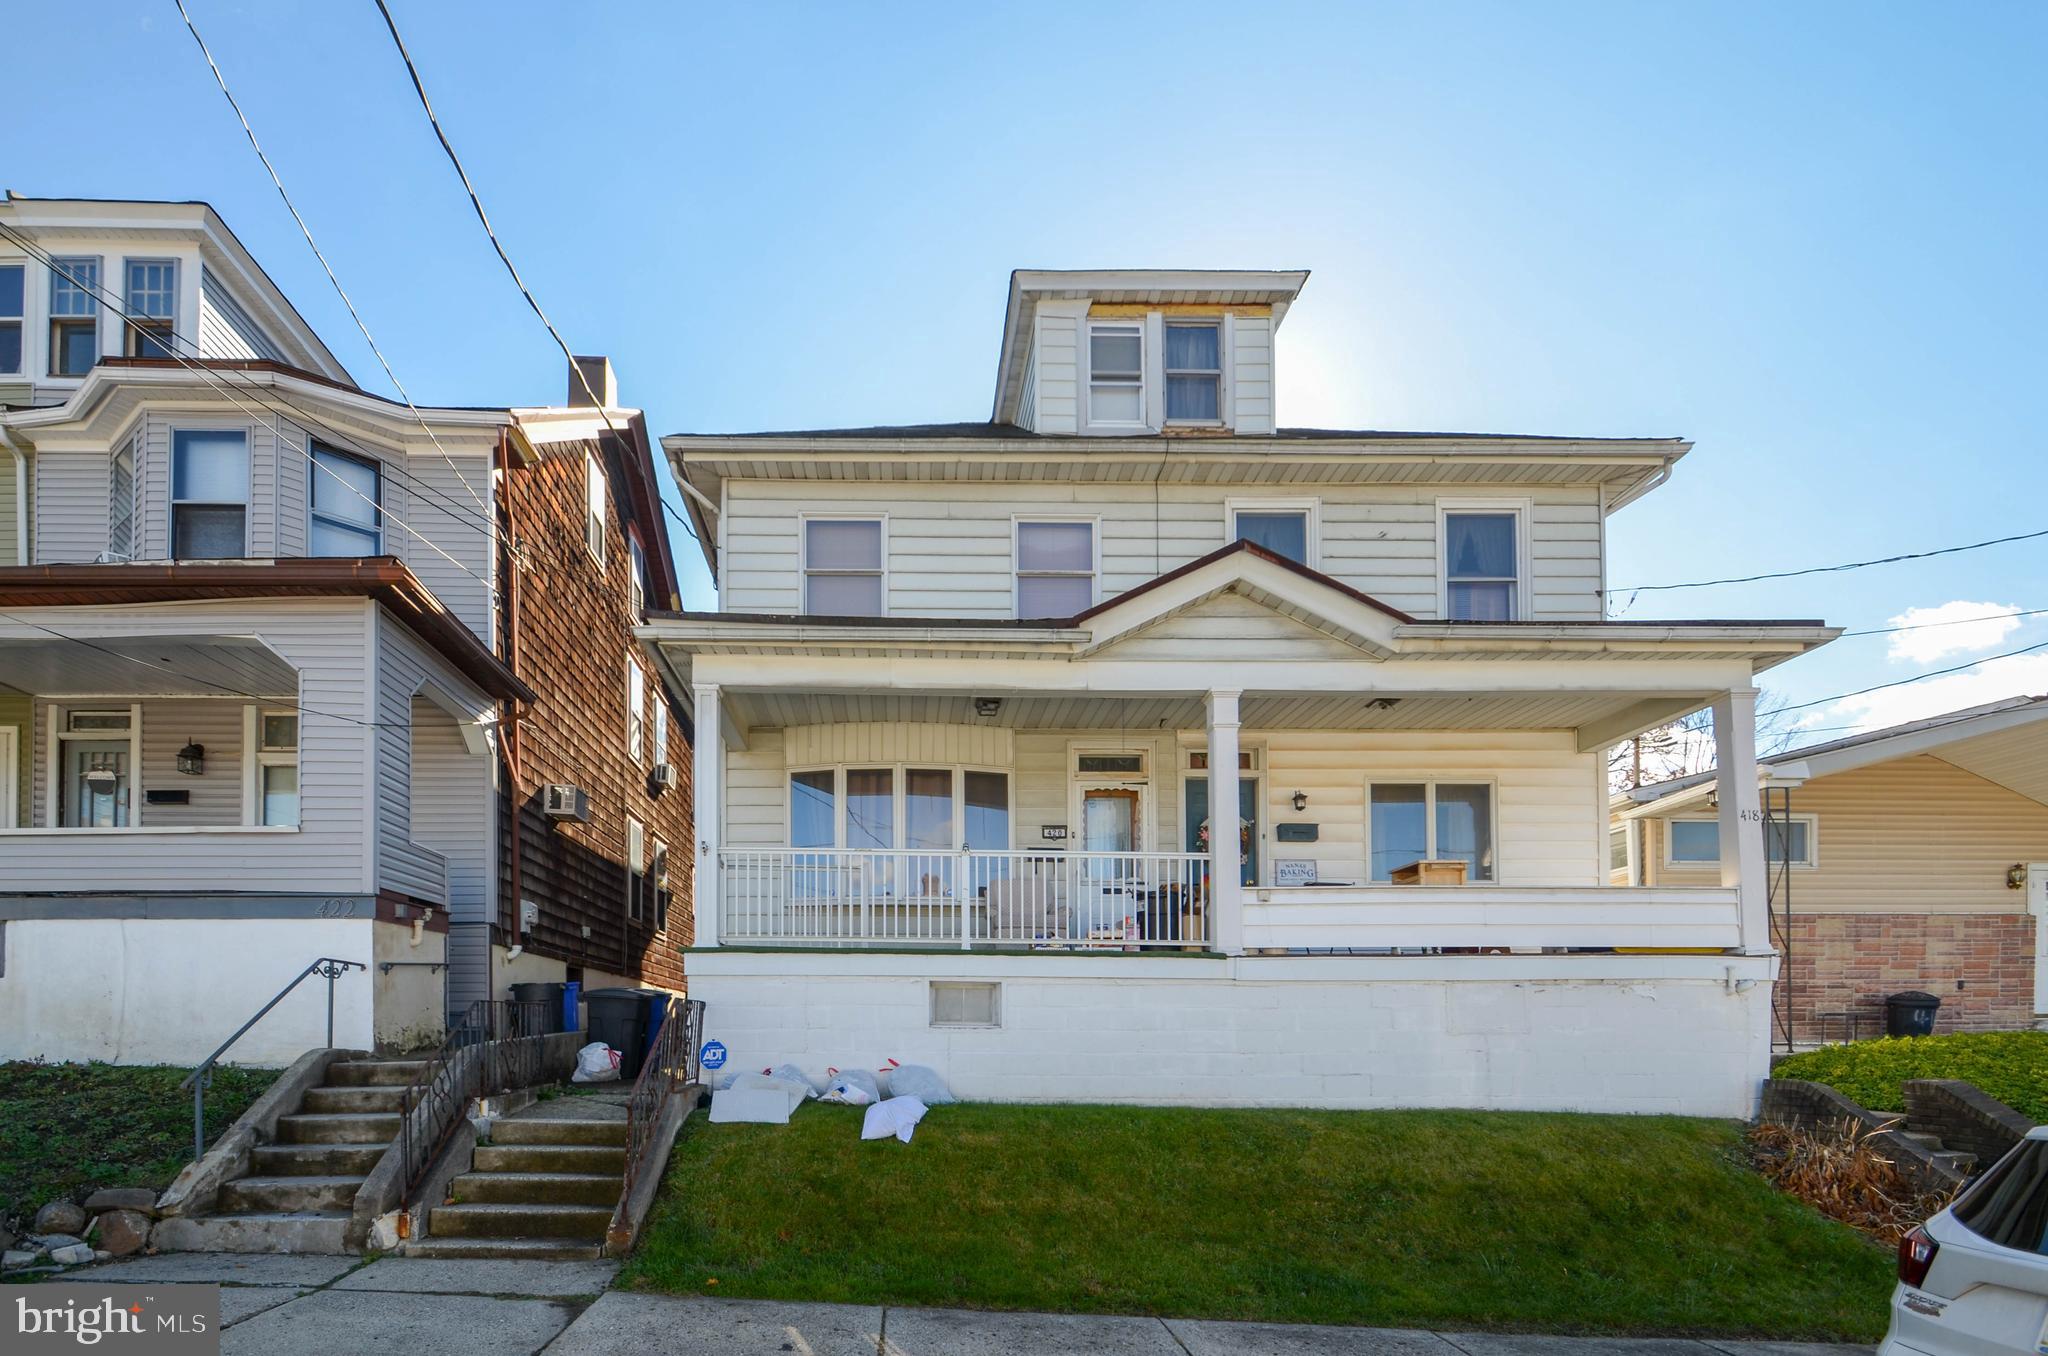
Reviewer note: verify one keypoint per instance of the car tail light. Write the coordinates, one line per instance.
(1916, 1255)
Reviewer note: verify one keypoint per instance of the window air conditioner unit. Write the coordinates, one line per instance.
(560, 800)
(664, 778)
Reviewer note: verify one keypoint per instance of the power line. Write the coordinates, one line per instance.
(307, 231)
(1826, 569)
(1918, 677)
(1956, 621)
(208, 376)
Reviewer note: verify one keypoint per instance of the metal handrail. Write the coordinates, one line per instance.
(329, 969)
(494, 1048)
(671, 1064)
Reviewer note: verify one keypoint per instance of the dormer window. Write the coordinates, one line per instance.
(1116, 375)
(74, 316)
(1194, 373)
(152, 307)
(11, 297)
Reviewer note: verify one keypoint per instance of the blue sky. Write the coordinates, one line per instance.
(1807, 237)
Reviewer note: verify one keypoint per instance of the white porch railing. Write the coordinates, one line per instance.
(1398, 918)
(1119, 901)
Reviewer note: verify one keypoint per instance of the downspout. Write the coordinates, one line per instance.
(15, 451)
(514, 763)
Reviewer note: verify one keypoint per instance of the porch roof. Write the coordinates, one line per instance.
(384, 579)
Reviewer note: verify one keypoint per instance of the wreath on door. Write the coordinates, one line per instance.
(1244, 840)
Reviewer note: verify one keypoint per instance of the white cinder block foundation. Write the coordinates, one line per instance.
(1642, 1034)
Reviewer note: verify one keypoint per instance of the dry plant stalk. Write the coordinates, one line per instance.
(1845, 1176)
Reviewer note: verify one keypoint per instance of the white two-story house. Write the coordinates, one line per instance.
(259, 646)
(975, 692)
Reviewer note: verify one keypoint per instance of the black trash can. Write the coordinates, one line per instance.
(1910, 1013)
(618, 1017)
(539, 1009)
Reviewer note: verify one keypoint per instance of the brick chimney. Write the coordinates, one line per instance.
(597, 372)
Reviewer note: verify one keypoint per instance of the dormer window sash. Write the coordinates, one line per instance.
(1116, 375)
(1194, 372)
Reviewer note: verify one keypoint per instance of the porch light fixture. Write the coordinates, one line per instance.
(1300, 801)
(2016, 876)
(192, 760)
(987, 706)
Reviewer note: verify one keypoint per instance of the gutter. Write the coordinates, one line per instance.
(20, 456)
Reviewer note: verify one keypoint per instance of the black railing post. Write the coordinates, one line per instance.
(200, 1077)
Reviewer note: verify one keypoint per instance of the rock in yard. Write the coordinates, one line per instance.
(60, 1217)
(102, 1255)
(121, 1198)
(14, 1259)
(122, 1232)
(52, 1242)
(73, 1255)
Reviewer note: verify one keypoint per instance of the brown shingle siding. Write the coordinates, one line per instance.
(575, 643)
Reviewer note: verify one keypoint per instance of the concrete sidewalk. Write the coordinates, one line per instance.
(339, 1306)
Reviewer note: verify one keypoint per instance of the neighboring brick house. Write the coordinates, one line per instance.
(1918, 859)
(605, 899)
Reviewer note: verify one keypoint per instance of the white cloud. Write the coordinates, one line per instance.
(1952, 629)
(2026, 675)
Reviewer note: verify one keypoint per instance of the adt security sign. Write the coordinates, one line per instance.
(712, 1056)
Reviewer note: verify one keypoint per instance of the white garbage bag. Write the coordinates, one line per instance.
(793, 1092)
(898, 1116)
(596, 1063)
(851, 1087)
(919, 1081)
(789, 1073)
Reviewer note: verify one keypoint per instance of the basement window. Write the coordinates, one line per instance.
(971, 1005)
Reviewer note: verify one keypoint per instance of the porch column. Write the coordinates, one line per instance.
(1226, 890)
(707, 786)
(1742, 815)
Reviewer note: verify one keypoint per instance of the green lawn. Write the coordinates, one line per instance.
(66, 1129)
(1403, 1218)
(2009, 1065)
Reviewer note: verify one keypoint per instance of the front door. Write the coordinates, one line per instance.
(1196, 796)
(1111, 825)
(95, 783)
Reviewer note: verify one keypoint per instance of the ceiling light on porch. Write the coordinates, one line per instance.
(987, 706)
(1383, 703)
(192, 760)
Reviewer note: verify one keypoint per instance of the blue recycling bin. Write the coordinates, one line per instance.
(572, 1005)
(657, 1012)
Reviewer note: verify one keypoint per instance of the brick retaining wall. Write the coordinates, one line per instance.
(1965, 1117)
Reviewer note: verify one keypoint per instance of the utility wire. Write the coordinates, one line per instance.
(206, 374)
(1827, 569)
(1918, 677)
(307, 231)
(1957, 621)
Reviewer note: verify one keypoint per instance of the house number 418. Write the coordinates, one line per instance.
(1752, 816)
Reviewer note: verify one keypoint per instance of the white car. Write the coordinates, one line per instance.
(1973, 1281)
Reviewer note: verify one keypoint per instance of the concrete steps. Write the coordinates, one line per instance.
(299, 1193)
(545, 1186)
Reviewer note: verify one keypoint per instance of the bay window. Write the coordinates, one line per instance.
(1414, 821)
(209, 494)
(347, 517)
(1055, 568)
(842, 564)
(909, 809)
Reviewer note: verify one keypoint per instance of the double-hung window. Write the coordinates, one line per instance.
(74, 316)
(636, 870)
(1194, 373)
(1283, 529)
(152, 304)
(919, 817)
(209, 494)
(277, 767)
(636, 586)
(595, 497)
(13, 296)
(1482, 564)
(843, 567)
(636, 710)
(347, 517)
(1409, 822)
(1116, 375)
(660, 718)
(1055, 568)
(121, 502)
(657, 879)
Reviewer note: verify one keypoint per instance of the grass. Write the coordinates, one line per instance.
(68, 1129)
(1491, 1220)
(2011, 1066)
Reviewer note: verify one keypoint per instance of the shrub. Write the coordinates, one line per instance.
(2011, 1066)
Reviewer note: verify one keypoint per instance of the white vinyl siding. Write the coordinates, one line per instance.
(1056, 365)
(225, 329)
(949, 546)
(406, 862)
(1249, 356)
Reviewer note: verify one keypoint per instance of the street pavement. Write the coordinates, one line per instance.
(340, 1306)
